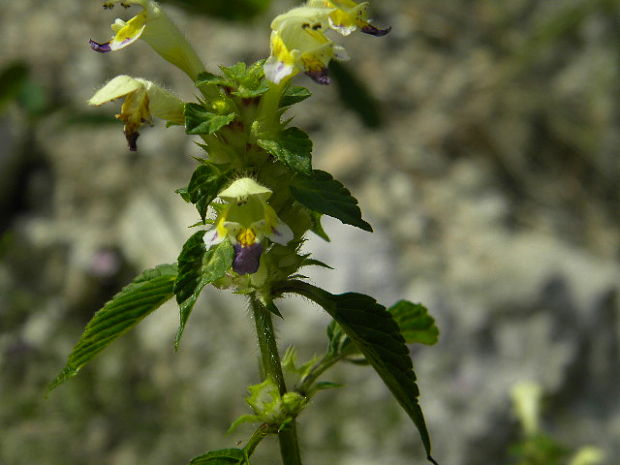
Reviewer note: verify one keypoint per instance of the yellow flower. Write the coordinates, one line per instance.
(246, 220)
(345, 16)
(142, 100)
(155, 27)
(299, 43)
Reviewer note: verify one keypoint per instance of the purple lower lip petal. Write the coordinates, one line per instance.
(319, 76)
(247, 258)
(132, 140)
(101, 48)
(375, 31)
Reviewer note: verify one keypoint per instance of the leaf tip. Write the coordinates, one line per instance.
(66, 374)
(273, 309)
(366, 226)
(177, 339)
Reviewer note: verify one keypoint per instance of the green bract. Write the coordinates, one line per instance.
(257, 197)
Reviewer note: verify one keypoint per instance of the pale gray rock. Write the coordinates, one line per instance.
(492, 188)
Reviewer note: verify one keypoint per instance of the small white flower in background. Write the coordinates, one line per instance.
(526, 397)
(588, 456)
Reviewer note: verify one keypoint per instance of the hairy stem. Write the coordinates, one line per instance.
(271, 367)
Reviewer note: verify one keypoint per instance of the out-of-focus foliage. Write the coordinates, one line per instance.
(12, 80)
(355, 95)
(238, 10)
(16, 85)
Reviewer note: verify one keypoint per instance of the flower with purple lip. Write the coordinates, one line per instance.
(155, 27)
(299, 43)
(345, 16)
(246, 219)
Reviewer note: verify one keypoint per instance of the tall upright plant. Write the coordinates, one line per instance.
(257, 197)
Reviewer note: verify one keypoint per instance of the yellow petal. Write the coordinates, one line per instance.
(153, 26)
(299, 43)
(164, 104)
(118, 87)
(243, 188)
(246, 237)
(142, 100)
(129, 33)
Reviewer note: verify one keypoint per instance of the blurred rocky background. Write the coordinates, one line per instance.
(481, 141)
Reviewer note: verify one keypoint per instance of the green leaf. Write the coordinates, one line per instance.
(293, 95)
(289, 363)
(183, 192)
(251, 84)
(273, 309)
(415, 324)
(338, 342)
(323, 385)
(205, 78)
(222, 457)
(242, 419)
(245, 92)
(200, 121)
(241, 80)
(373, 330)
(317, 227)
(323, 194)
(293, 147)
(314, 262)
(235, 72)
(197, 268)
(413, 320)
(207, 181)
(124, 311)
(201, 223)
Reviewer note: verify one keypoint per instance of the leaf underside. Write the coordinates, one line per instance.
(416, 325)
(293, 95)
(377, 336)
(124, 311)
(197, 268)
(198, 120)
